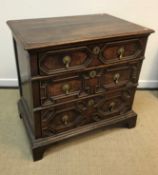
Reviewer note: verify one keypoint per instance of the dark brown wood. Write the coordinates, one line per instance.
(131, 123)
(82, 84)
(17, 67)
(52, 62)
(82, 112)
(34, 64)
(38, 153)
(38, 146)
(48, 32)
(76, 74)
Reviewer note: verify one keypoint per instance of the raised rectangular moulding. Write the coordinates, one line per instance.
(76, 74)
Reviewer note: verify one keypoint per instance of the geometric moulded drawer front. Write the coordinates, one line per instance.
(63, 60)
(122, 50)
(62, 89)
(79, 58)
(52, 91)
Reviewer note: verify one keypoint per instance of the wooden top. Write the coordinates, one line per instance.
(46, 32)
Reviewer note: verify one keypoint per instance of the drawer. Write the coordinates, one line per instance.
(59, 120)
(60, 89)
(51, 62)
(90, 55)
(115, 103)
(121, 75)
(83, 112)
(71, 87)
(122, 50)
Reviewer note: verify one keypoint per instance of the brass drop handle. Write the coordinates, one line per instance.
(65, 119)
(67, 61)
(66, 88)
(121, 52)
(116, 78)
(111, 106)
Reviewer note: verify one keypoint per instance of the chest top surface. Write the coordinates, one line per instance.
(47, 32)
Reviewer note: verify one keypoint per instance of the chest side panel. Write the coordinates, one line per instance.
(25, 80)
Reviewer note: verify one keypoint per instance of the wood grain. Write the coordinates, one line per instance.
(46, 32)
(95, 89)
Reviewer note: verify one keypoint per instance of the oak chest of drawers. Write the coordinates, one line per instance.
(76, 74)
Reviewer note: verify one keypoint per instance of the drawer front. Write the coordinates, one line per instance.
(92, 55)
(52, 62)
(98, 81)
(59, 120)
(63, 89)
(121, 75)
(63, 118)
(122, 50)
(53, 90)
(115, 103)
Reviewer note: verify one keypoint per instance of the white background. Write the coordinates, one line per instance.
(143, 12)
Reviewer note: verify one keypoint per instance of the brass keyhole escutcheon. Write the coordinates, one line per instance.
(65, 119)
(92, 73)
(67, 61)
(66, 88)
(90, 102)
(111, 106)
(96, 50)
(116, 78)
(121, 52)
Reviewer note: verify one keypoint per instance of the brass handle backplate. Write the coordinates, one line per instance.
(116, 78)
(65, 119)
(67, 61)
(111, 106)
(92, 74)
(96, 50)
(66, 88)
(121, 52)
(90, 102)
